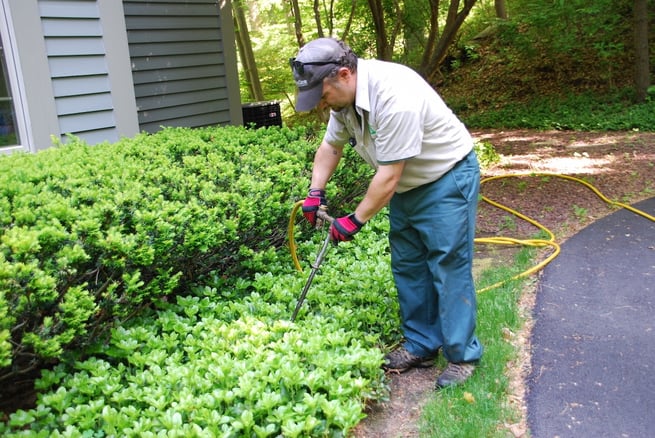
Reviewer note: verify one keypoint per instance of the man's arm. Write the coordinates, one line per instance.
(326, 159)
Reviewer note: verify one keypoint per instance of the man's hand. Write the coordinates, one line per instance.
(344, 228)
(314, 200)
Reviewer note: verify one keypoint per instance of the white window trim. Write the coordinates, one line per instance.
(12, 60)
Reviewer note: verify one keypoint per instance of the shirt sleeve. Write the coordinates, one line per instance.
(336, 132)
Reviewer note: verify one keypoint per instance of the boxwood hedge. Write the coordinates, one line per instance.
(90, 235)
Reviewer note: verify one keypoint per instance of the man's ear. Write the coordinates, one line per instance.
(344, 73)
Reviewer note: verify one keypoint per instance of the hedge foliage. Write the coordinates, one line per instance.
(220, 363)
(215, 354)
(92, 235)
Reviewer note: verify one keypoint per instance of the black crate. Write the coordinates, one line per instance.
(262, 114)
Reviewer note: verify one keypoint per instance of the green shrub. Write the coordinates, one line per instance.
(487, 154)
(192, 221)
(91, 235)
(217, 363)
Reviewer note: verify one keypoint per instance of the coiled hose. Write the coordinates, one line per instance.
(500, 240)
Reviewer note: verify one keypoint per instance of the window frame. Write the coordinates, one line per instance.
(14, 82)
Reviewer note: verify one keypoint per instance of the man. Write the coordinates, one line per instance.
(428, 174)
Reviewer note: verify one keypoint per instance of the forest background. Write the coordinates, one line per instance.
(481, 55)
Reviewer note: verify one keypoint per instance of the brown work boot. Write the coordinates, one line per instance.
(400, 360)
(455, 373)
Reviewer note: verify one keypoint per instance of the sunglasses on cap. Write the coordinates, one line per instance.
(299, 66)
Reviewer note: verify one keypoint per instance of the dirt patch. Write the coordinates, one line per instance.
(399, 416)
(621, 166)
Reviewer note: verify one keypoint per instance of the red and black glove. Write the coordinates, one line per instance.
(313, 201)
(344, 228)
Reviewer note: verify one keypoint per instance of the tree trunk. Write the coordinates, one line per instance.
(433, 35)
(492, 29)
(297, 23)
(501, 9)
(329, 17)
(317, 18)
(377, 12)
(454, 21)
(349, 22)
(245, 52)
(397, 28)
(642, 64)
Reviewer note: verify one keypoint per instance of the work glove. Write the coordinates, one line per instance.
(315, 199)
(344, 228)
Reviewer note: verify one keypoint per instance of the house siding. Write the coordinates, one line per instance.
(81, 67)
(73, 34)
(178, 57)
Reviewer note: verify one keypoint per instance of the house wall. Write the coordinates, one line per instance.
(104, 69)
(184, 68)
(74, 75)
(85, 45)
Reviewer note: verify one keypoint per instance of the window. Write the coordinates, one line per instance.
(8, 131)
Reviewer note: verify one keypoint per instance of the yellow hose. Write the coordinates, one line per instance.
(292, 239)
(540, 243)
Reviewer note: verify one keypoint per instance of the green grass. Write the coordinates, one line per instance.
(582, 112)
(478, 407)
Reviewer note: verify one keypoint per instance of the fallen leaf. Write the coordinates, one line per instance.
(507, 333)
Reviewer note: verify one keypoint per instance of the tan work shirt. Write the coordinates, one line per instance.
(402, 118)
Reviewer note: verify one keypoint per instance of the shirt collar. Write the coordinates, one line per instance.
(362, 100)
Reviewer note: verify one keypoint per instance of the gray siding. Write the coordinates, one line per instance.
(73, 35)
(178, 63)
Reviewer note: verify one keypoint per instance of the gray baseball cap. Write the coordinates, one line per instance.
(315, 60)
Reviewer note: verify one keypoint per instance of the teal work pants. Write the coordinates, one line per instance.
(432, 231)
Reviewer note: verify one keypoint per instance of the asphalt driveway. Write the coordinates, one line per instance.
(593, 343)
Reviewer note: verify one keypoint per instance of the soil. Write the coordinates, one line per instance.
(621, 166)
